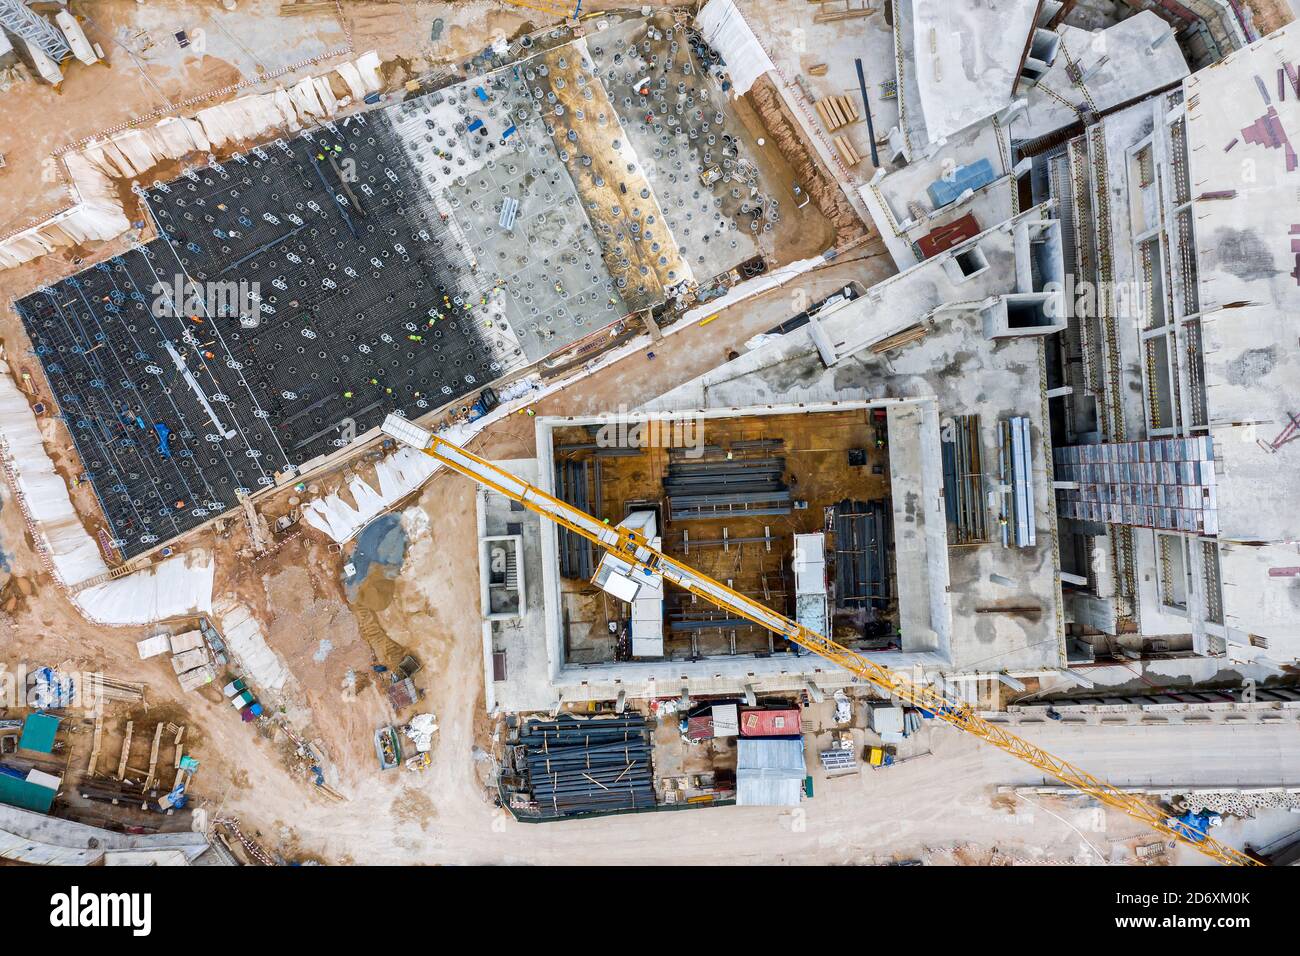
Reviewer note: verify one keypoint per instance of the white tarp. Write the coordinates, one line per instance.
(178, 587)
(399, 474)
(724, 29)
(406, 469)
(181, 585)
(245, 640)
(98, 214)
(75, 556)
(152, 646)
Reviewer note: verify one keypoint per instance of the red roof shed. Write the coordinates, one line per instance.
(770, 723)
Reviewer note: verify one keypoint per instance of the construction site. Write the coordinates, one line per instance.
(473, 432)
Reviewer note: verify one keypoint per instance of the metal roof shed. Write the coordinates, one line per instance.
(32, 792)
(770, 771)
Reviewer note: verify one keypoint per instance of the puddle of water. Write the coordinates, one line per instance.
(383, 543)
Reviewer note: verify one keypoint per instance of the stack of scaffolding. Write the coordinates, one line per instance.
(714, 489)
(573, 486)
(588, 766)
(963, 480)
(1167, 483)
(862, 553)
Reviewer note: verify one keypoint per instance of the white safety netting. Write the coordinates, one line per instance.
(178, 586)
(724, 29)
(98, 214)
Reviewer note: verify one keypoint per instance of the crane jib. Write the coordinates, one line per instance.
(629, 547)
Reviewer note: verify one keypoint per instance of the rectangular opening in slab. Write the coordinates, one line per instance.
(502, 577)
(791, 510)
(971, 262)
(1027, 315)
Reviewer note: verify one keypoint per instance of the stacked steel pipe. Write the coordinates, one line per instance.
(588, 766)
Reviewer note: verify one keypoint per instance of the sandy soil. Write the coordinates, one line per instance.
(1270, 14)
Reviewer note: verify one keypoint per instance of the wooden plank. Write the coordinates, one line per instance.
(846, 149)
(94, 749)
(126, 750)
(910, 334)
(153, 757)
(835, 112)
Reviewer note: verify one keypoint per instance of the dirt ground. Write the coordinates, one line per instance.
(1270, 14)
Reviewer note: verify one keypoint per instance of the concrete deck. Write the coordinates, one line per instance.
(527, 686)
(1249, 281)
(1133, 58)
(959, 372)
(966, 58)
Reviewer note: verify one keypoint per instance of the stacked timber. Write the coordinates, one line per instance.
(837, 111)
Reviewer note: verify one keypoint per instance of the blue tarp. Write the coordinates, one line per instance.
(972, 176)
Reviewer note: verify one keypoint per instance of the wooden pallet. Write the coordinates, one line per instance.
(837, 111)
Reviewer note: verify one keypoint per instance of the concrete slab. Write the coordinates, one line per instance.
(526, 684)
(965, 59)
(1097, 71)
(1249, 277)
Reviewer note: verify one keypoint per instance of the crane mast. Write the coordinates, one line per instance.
(633, 548)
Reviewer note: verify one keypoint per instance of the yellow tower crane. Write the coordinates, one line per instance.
(633, 549)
